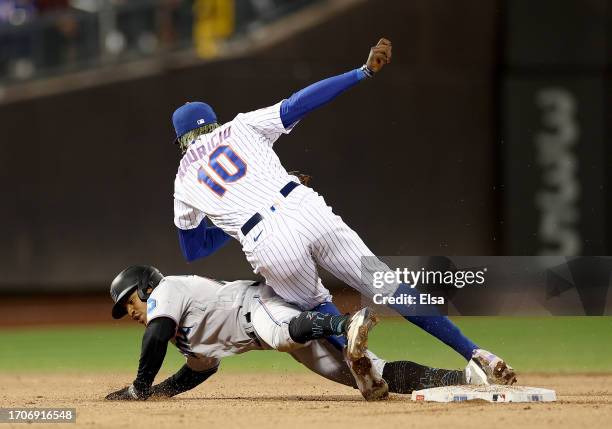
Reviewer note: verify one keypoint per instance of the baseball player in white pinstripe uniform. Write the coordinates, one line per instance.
(230, 174)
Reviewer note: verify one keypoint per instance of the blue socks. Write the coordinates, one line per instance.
(440, 327)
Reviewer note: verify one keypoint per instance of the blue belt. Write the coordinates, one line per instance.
(256, 218)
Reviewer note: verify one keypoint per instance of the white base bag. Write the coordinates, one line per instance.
(490, 393)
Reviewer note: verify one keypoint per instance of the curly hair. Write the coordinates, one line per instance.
(186, 139)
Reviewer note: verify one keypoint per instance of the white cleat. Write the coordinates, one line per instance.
(357, 333)
(496, 370)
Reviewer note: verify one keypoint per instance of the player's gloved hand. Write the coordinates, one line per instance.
(379, 56)
(496, 369)
(129, 393)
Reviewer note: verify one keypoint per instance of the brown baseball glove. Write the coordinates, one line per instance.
(379, 56)
(304, 178)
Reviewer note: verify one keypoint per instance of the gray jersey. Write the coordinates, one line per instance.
(208, 315)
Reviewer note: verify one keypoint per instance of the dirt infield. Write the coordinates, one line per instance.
(294, 401)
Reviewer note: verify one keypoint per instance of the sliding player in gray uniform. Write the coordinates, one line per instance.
(208, 320)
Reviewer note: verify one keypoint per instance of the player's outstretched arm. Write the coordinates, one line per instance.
(185, 379)
(316, 95)
(202, 241)
(154, 346)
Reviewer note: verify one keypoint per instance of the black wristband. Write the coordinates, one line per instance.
(367, 70)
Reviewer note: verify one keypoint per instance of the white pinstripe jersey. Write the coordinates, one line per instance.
(231, 173)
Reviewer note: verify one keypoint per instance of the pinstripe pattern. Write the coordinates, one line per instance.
(301, 232)
(251, 136)
(271, 316)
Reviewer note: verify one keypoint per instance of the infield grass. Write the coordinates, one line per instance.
(552, 344)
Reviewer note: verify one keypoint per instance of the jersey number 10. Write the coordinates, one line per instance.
(222, 155)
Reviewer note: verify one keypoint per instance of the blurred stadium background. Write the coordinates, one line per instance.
(490, 135)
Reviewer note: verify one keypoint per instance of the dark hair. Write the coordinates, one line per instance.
(186, 139)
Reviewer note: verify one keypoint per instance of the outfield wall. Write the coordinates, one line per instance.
(405, 159)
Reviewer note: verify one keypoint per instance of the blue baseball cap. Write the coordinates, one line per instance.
(190, 116)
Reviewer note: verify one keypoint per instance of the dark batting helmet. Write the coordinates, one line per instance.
(143, 278)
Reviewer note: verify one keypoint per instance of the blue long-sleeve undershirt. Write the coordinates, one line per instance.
(201, 241)
(316, 95)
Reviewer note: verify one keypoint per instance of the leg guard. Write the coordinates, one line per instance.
(311, 325)
(338, 341)
(404, 377)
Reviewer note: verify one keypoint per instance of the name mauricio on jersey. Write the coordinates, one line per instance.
(203, 148)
